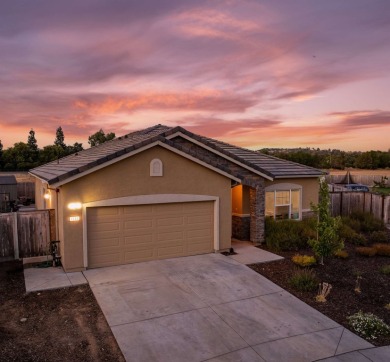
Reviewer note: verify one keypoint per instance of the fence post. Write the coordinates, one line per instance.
(16, 239)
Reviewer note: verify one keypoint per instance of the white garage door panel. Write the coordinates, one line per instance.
(128, 234)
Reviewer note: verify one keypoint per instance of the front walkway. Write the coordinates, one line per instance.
(37, 279)
(249, 254)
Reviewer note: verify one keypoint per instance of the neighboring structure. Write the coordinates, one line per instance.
(8, 192)
(165, 192)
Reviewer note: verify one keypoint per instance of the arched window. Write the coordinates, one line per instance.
(156, 167)
(283, 201)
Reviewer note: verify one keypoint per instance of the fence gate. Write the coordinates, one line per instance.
(24, 234)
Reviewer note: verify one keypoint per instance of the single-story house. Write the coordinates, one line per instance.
(165, 192)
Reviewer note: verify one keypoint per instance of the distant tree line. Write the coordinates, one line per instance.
(337, 159)
(25, 156)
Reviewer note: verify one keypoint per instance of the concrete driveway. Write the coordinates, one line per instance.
(211, 308)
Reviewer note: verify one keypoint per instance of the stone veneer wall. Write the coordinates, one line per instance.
(257, 213)
(241, 227)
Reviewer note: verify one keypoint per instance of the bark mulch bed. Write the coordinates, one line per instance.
(342, 301)
(61, 325)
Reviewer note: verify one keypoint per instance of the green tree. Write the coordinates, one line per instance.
(327, 241)
(51, 153)
(77, 147)
(32, 141)
(60, 138)
(20, 157)
(100, 137)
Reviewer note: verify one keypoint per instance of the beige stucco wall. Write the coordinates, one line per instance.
(310, 188)
(131, 177)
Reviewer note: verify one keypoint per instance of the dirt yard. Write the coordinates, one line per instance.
(57, 325)
(342, 274)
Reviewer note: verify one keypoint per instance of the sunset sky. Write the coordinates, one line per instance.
(257, 74)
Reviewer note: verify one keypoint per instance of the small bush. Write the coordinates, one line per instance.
(382, 249)
(368, 223)
(303, 260)
(365, 251)
(288, 234)
(368, 325)
(349, 234)
(385, 269)
(304, 280)
(351, 223)
(379, 237)
(342, 254)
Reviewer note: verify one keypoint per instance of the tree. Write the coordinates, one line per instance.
(32, 141)
(51, 153)
(20, 157)
(60, 138)
(77, 147)
(327, 241)
(100, 137)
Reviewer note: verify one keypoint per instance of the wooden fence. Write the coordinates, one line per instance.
(345, 202)
(26, 233)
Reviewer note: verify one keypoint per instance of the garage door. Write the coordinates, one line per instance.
(130, 234)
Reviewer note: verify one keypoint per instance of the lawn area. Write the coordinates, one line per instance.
(381, 190)
(55, 325)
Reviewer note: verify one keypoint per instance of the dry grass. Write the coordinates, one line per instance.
(359, 172)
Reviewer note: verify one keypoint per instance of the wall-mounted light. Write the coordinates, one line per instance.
(74, 206)
(46, 196)
(74, 218)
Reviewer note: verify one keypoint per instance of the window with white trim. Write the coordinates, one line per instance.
(156, 167)
(283, 201)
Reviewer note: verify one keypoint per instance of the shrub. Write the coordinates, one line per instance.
(342, 254)
(365, 251)
(349, 234)
(385, 269)
(368, 325)
(382, 249)
(351, 223)
(303, 260)
(368, 223)
(288, 234)
(379, 237)
(304, 280)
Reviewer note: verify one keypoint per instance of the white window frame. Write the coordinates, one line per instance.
(290, 188)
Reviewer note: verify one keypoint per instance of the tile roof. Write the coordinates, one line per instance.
(8, 180)
(60, 170)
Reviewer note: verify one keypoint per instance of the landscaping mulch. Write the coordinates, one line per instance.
(342, 301)
(55, 325)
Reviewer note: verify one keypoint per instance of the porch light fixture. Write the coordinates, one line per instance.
(46, 196)
(74, 218)
(74, 206)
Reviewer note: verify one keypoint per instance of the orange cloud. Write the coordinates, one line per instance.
(201, 101)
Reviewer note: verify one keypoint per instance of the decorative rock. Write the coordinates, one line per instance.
(23, 320)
